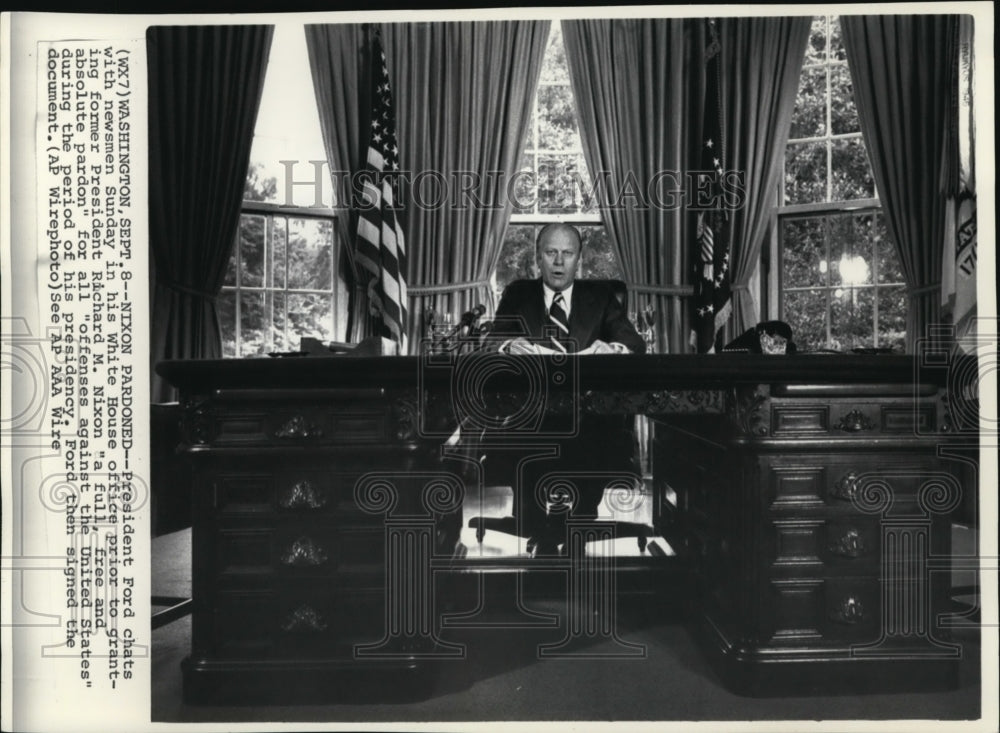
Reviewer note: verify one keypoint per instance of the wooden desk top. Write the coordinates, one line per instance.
(632, 372)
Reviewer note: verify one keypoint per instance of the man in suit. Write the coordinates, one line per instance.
(557, 312)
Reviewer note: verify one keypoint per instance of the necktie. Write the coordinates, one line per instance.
(557, 315)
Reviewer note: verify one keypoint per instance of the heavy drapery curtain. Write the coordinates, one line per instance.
(901, 67)
(463, 94)
(205, 84)
(337, 62)
(639, 87)
(638, 114)
(760, 62)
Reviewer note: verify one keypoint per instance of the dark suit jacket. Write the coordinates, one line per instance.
(604, 441)
(595, 313)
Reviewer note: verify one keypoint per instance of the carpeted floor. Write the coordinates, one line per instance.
(503, 679)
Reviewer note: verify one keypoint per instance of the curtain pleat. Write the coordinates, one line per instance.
(901, 69)
(761, 60)
(205, 84)
(463, 94)
(637, 118)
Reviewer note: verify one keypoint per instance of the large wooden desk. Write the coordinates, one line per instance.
(808, 496)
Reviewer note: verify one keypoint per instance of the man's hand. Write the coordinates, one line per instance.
(602, 347)
(521, 345)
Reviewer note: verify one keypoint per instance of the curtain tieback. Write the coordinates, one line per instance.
(734, 287)
(186, 290)
(924, 290)
(418, 290)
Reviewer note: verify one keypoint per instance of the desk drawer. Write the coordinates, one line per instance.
(870, 483)
(824, 546)
(290, 550)
(843, 412)
(818, 611)
(299, 625)
(285, 490)
(300, 425)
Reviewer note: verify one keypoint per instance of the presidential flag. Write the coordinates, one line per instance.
(380, 248)
(712, 301)
(961, 241)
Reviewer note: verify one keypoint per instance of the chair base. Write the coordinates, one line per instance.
(509, 525)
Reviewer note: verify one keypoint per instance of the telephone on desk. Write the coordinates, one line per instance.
(767, 337)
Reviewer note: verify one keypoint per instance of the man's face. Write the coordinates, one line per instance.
(558, 255)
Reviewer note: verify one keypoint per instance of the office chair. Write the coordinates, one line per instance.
(509, 524)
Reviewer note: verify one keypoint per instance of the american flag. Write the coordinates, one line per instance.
(380, 246)
(712, 295)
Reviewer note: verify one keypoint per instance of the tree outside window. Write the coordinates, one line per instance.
(554, 183)
(841, 286)
(284, 279)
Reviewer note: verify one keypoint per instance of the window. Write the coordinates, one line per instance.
(558, 184)
(284, 280)
(841, 286)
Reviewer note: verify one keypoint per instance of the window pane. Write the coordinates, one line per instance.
(805, 173)
(278, 255)
(843, 111)
(554, 68)
(252, 324)
(557, 119)
(287, 126)
(531, 141)
(836, 43)
(524, 189)
(852, 318)
(310, 255)
(852, 176)
(276, 324)
(805, 312)
(226, 306)
(809, 118)
(889, 270)
(230, 279)
(252, 233)
(599, 260)
(803, 258)
(310, 315)
(584, 192)
(559, 184)
(816, 49)
(892, 318)
(850, 251)
(517, 258)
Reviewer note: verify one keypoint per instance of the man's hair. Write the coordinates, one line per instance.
(557, 226)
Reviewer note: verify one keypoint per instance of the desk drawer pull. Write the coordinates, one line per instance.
(846, 488)
(297, 428)
(854, 422)
(304, 553)
(303, 619)
(851, 544)
(850, 611)
(303, 495)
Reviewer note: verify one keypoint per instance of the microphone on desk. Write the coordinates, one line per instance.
(470, 317)
(468, 320)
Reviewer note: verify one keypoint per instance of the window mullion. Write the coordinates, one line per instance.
(239, 294)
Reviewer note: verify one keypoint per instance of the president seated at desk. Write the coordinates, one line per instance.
(558, 314)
